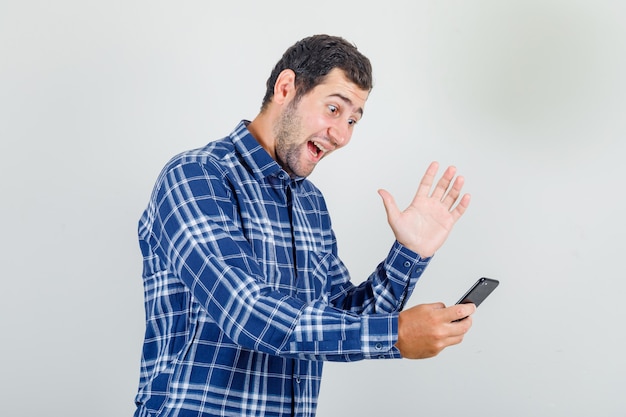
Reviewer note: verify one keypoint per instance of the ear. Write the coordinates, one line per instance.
(285, 86)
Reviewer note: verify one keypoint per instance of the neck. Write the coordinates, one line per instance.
(261, 129)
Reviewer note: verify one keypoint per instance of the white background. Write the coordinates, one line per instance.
(525, 97)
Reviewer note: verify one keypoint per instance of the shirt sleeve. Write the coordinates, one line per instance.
(192, 230)
(375, 304)
(386, 290)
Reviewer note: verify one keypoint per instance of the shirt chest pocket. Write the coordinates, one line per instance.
(313, 279)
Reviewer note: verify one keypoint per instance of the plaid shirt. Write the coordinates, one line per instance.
(245, 295)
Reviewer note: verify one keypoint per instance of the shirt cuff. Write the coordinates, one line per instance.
(404, 268)
(379, 334)
(405, 262)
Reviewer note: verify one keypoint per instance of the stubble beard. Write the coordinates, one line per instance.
(288, 148)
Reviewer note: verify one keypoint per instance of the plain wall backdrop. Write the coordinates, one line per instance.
(526, 97)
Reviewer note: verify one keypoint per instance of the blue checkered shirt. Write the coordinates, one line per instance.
(245, 295)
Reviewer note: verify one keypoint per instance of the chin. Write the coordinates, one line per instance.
(304, 172)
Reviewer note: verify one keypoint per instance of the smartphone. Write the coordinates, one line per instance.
(478, 292)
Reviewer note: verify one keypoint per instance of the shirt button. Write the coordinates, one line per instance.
(407, 264)
(297, 380)
(379, 346)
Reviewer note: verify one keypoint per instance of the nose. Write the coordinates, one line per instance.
(339, 136)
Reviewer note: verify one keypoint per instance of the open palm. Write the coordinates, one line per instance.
(426, 223)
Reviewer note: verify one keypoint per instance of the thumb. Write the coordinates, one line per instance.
(389, 202)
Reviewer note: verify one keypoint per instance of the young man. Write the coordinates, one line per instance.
(245, 295)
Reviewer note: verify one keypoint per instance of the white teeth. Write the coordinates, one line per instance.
(320, 147)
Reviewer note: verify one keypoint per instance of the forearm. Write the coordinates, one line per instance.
(388, 287)
(258, 318)
(342, 336)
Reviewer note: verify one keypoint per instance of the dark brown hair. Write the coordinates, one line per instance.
(312, 58)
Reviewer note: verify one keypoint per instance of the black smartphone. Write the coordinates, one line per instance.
(478, 292)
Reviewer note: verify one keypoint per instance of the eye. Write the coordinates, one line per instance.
(335, 111)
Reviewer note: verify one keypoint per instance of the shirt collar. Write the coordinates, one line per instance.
(254, 155)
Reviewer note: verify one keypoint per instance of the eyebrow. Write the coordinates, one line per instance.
(359, 110)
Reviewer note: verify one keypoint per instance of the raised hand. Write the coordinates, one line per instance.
(425, 225)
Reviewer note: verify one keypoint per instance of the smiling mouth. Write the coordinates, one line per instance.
(316, 149)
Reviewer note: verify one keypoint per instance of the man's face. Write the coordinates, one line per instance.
(319, 123)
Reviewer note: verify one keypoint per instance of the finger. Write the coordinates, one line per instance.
(460, 311)
(461, 207)
(391, 208)
(455, 340)
(423, 190)
(444, 183)
(453, 194)
(461, 328)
